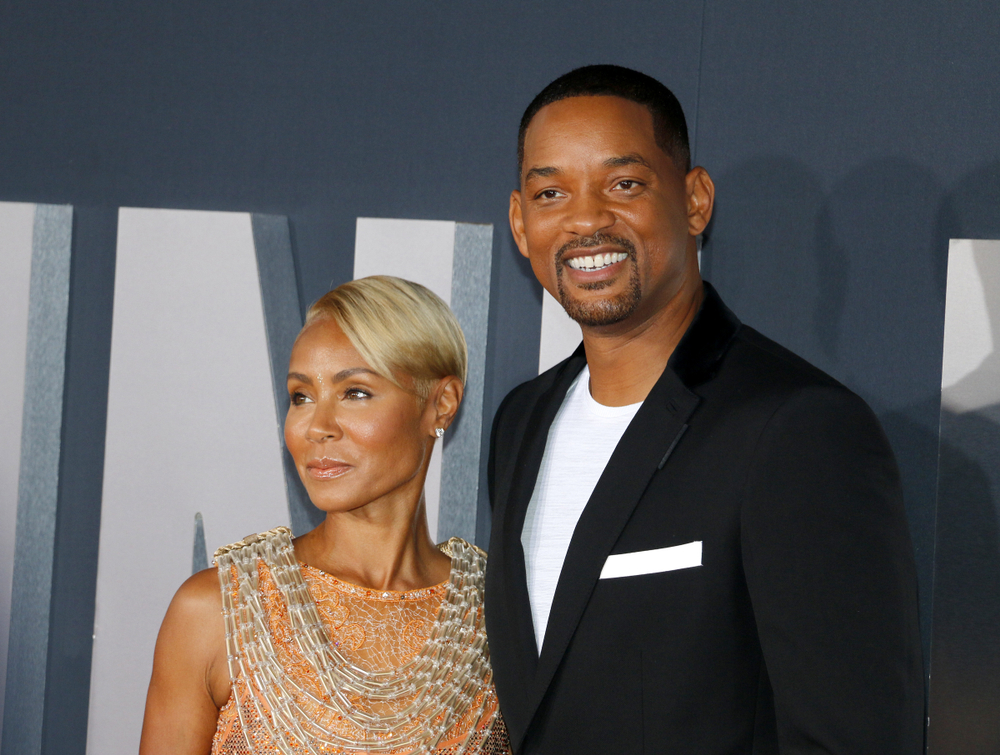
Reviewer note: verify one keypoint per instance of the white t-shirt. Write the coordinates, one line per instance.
(581, 440)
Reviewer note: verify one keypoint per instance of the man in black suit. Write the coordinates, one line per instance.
(699, 543)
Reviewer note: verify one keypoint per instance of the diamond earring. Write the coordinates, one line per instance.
(439, 431)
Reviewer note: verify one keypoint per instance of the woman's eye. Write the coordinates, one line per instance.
(355, 394)
(298, 399)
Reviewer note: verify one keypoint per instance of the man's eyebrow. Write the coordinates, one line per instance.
(540, 173)
(630, 159)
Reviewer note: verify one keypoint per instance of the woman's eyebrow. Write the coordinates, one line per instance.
(342, 375)
(350, 371)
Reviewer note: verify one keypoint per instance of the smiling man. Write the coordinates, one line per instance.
(699, 543)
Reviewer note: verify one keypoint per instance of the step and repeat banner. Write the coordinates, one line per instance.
(965, 655)
(192, 459)
(35, 248)
(206, 309)
(205, 312)
(15, 250)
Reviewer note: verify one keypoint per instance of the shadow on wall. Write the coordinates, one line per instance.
(964, 706)
(964, 701)
(817, 267)
(782, 246)
(853, 277)
(843, 276)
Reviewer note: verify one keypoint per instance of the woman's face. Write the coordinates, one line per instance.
(356, 438)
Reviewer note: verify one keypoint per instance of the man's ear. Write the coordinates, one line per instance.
(700, 199)
(443, 402)
(517, 222)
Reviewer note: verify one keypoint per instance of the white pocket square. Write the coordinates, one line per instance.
(652, 562)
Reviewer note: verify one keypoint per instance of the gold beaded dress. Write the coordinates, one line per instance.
(324, 667)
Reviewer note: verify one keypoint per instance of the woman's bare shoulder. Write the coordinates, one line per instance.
(190, 679)
(199, 595)
(194, 628)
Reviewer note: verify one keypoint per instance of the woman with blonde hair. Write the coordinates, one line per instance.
(361, 635)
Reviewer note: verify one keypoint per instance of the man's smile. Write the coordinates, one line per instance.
(590, 263)
(594, 254)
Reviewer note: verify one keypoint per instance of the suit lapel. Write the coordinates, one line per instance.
(520, 667)
(654, 431)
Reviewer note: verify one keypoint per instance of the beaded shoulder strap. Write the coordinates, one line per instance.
(435, 689)
(448, 546)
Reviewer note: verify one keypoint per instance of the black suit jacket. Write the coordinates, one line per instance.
(797, 634)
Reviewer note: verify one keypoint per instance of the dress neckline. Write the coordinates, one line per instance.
(368, 593)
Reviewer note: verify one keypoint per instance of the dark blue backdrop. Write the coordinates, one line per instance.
(849, 141)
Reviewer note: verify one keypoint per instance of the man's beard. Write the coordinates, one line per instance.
(602, 311)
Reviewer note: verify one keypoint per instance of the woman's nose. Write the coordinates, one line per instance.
(587, 213)
(323, 425)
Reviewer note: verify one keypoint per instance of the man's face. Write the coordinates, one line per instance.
(606, 218)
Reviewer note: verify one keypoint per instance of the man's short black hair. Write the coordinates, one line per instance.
(669, 126)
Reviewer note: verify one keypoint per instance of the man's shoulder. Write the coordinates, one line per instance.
(752, 350)
(762, 371)
(513, 417)
(524, 397)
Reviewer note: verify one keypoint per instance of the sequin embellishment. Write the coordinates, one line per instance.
(321, 666)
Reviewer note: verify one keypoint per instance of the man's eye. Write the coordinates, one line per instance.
(627, 184)
(548, 194)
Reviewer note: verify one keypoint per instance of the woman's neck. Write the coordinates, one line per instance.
(377, 548)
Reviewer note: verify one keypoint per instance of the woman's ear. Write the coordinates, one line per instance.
(443, 403)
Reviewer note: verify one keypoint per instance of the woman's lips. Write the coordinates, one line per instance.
(327, 469)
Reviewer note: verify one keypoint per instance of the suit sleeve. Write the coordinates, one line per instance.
(829, 566)
(492, 462)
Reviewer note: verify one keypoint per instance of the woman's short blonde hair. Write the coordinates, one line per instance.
(399, 328)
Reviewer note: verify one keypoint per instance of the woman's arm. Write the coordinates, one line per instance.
(190, 681)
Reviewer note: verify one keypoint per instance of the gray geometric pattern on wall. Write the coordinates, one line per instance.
(38, 479)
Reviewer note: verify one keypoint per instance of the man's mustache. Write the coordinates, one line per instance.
(598, 239)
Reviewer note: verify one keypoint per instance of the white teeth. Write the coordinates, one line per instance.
(597, 262)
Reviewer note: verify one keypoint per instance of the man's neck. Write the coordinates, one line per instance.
(625, 364)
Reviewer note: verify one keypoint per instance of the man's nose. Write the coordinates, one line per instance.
(587, 213)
